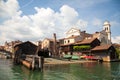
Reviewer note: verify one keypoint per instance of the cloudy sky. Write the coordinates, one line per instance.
(38, 19)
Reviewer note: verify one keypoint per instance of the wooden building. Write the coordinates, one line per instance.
(27, 48)
(70, 48)
(49, 44)
(8, 46)
(106, 52)
(23, 49)
(86, 45)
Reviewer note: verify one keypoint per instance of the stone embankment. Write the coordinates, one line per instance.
(52, 61)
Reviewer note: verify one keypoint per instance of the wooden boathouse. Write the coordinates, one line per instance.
(26, 53)
(106, 52)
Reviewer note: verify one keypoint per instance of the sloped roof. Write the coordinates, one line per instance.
(27, 42)
(101, 32)
(102, 47)
(116, 45)
(84, 34)
(86, 41)
(67, 44)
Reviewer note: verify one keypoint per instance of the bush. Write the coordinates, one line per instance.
(82, 47)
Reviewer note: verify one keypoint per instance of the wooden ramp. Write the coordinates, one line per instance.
(33, 62)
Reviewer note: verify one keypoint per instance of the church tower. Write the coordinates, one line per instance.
(107, 29)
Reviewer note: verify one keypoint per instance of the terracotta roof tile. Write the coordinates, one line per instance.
(102, 47)
(67, 44)
(83, 33)
(86, 41)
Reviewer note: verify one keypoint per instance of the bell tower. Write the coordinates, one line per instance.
(106, 27)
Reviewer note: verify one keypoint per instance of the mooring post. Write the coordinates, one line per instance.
(33, 63)
(39, 63)
(42, 63)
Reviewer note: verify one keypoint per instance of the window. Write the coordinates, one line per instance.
(107, 28)
(65, 41)
(68, 41)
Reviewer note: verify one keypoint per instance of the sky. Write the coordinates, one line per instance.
(36, 20)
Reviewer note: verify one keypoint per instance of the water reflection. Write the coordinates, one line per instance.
(22, 73)
(115, 71)
(83, 71)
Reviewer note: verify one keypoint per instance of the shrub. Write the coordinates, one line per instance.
(82, 47)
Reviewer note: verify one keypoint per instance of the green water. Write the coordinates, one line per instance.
(84, 71)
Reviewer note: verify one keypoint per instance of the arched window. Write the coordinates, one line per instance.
(65, 41)
(107, 28)
(68, 41)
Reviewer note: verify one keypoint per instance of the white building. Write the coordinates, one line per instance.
(74, 34)
(105, 35)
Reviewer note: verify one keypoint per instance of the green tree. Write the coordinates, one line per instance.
(118, 52)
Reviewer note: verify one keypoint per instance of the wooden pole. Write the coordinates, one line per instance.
(55, 45)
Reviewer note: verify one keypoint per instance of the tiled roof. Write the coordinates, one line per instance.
(84, 34)
(28, 42)
(102, 32)
(116, 45)
(86, 41)
(102, 47)
(67, 44)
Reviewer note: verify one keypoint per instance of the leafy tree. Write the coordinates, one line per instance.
(118, 52)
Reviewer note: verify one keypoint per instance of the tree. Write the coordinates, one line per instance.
(118, 52)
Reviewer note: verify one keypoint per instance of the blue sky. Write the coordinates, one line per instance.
(37, 19)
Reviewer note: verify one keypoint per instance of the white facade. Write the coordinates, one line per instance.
(72, 36)
(68, 41)
(45, 43)
(107, 29)
(105, 35)
(72, 40)
(73, 32)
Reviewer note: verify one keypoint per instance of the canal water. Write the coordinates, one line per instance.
(82, 71)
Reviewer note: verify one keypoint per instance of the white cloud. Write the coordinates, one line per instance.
(116, 39)
(68, 14)
(42, 24)
(9, 8)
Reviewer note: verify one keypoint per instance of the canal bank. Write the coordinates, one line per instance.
(53, 61)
